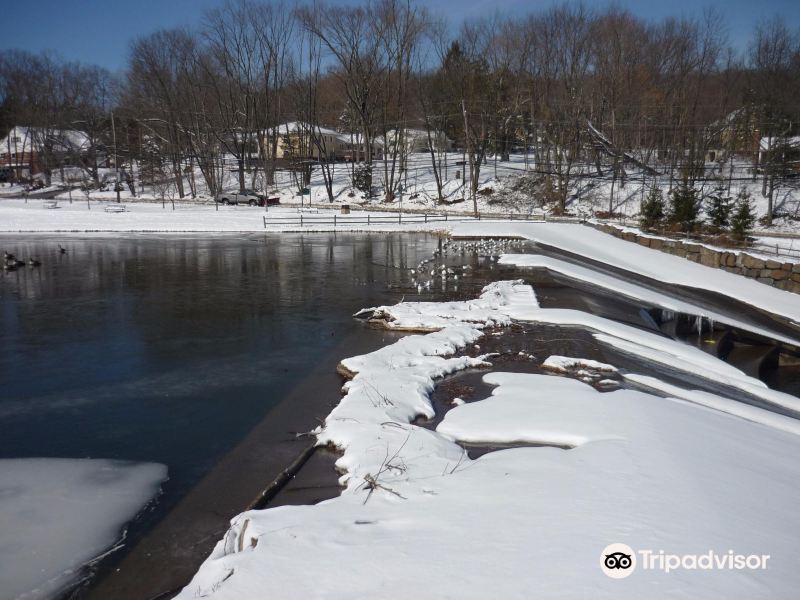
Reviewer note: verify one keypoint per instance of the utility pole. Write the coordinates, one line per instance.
(116, 164)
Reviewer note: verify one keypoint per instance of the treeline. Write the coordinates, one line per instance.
(582, 92)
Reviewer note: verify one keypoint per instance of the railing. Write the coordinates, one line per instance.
(310, 220)
(777, 250)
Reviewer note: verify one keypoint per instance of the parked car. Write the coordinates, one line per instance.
(250, 197)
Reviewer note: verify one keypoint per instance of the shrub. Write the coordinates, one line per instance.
(652, 209)
(684, 207)
(718, 208)
(744, 216)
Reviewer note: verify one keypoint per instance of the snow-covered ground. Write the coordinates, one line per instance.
(57, 515)
(419, 518)
(19, 216)
(505, 186)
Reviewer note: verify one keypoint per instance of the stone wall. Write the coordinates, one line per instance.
(783, 275)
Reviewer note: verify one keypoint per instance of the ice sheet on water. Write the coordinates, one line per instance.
(57, 514)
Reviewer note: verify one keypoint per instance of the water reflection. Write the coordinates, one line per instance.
(169, 349)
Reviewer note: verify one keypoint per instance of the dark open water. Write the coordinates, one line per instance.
(170, 349)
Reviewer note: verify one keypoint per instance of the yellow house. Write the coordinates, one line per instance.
(298, 140)
(302, 140)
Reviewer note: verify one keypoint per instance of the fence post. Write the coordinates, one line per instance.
(426, 217)
(334, 220)
(445, 216)
(301, 219)
(399, 217)
(367, 218)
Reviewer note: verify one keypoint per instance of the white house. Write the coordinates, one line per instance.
(416, 140)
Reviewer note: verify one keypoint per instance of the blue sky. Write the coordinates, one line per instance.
(99, 32)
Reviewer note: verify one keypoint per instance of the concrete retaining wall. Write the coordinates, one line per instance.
(782, 275)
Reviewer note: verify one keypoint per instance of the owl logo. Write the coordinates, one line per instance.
(618, 561)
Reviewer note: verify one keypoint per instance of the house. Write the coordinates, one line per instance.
(27, 151)
(783, 151)
(735, 134)
(416, 140)
(353, 149)
(298, 140)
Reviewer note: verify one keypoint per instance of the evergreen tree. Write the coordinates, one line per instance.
(652, 209)
(744, 216)
(362, 178)
(685, 206)
(718, 207)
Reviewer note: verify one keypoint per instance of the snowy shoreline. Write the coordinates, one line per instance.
(638, 472)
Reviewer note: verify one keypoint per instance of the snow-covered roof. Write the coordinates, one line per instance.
(767, 143)
(301, 127)
(22, 139)
(355, 138)
(412, 133)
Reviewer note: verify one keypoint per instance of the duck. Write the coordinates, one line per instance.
(61, 250)
(34, 263)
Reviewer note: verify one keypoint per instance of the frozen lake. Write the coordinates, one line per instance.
(170, 349)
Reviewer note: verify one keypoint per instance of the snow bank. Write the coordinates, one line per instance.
(716, 402)
(564, 364)
(58, 514)
(595, 245)
(633, 290)
(651, 472)
(492, 308)
(660, 349)
(504, 301)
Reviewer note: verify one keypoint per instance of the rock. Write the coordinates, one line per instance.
(796, 268)
(643, 241)
(767, 280)
(656, 243)
(709, 259)
(693, 247)
(778, 274)
(773, 264)
(751, 262)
